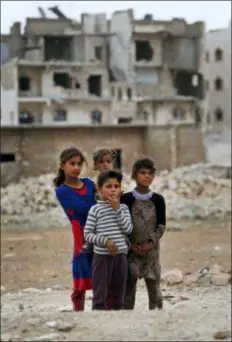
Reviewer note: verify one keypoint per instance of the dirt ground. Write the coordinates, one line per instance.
(42, 259)
(36, 275)
(45, 316)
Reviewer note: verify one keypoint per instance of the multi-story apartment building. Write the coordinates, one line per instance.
(100, 72)
(217, 73)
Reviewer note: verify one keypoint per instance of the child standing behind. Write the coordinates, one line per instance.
(107, 225)
(76, 196)
(149, 219)
(103, 160)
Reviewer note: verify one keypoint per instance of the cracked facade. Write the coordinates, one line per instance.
(100, 71)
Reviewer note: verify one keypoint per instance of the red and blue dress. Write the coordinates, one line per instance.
(76, 203)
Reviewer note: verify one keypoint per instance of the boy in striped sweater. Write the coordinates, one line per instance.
(107, 227)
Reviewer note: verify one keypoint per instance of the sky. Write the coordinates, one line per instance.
(216, 14)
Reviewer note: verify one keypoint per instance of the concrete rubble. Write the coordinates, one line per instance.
(199, 191)
(214, 275)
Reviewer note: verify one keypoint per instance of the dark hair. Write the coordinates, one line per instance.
(97, 155)
(143, 163)
(104, 176)
(66, 155)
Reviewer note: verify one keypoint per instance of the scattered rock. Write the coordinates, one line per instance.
(179, 299)
(57, 287)
(172, 277)
(222, 335)
(46, 337)
(64, 326)
(191, 279)
(216, 269)
(33, 321)
(203, 272)
(3, 289)
(9, 255)
(31, 290)
(66, 309)
(21, 306)
(220, 279)
(51, 324)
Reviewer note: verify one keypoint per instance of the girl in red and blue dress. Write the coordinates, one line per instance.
(76, 196)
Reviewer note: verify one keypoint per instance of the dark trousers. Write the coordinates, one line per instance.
(109, 281)
(153, 289)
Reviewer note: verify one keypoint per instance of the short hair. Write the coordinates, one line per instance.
(143, 163)
(110, 174)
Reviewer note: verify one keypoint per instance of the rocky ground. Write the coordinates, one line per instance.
(36, 287)
(189, 315)
(36, 252)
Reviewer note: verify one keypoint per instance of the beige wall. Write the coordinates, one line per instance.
(9, 93)
(37, 149)
(218, 39)
(161, 113)
(164, 112)
(78, 112)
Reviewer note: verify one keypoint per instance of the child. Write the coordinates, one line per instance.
(103, 160)
(149, 219)
(76, 196)
(107, 225)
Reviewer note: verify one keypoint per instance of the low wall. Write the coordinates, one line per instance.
(37, 149)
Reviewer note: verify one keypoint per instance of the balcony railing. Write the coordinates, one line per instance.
(29, 93)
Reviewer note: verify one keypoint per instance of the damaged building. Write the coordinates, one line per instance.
(100, 71)
(161, 64)
(58, 71)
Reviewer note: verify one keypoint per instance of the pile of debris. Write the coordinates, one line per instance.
(195, 192)
(214, 275)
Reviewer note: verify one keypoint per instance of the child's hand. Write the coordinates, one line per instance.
(146, 247)
(134, 248)
(137, 250)
(111, 246)
(114, 202)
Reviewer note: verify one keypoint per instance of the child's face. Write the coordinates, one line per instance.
(105, 163)
(72, 168)
(144, 177)
(110, 189)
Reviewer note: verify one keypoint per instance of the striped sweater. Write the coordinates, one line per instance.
(105, 223)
